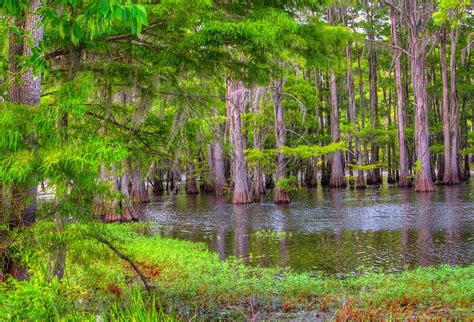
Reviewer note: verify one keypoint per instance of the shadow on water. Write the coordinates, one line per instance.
(330, 231)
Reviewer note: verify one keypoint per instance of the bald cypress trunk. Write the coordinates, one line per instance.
(236, 100)
(219, 168)
(417, 50)
(138, 190)
(362, 110)
(281, 196)
(207, 184)
(128, 212)
(360, 181)
(191, 183)
(28, 92)
(373, 176)
(403, 180)
(454, 130)
(337, 172)
(258, 188)
(448, 175)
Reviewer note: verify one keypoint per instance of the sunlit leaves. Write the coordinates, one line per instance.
(306, 152)
(17, 166)
(72, 95)
(80, 20)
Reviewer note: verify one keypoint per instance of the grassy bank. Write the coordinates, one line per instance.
(189, 281)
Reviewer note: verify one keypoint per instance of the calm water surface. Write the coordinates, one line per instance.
(330, 231)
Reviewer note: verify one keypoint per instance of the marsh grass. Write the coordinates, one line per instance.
(191, 282)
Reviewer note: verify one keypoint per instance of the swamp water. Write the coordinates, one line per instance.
(328, 230)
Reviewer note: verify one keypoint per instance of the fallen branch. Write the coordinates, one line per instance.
(128, 260)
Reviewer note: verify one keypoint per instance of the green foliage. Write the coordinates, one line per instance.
(287, 184)
(261, 158)
(417, 166)
(437, 148)
(190, 280)
(366, 167)
(306, 152)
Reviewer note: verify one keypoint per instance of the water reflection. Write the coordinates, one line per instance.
(241, 213)
(334, 231)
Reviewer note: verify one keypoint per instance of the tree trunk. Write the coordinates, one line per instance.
(269, 182)
(362, 111)
(219, 168)
(403, 180)
(281, 196)
(257, 189)
(138, 191)
(360, 182)
(236, 100)
(417, 48)
(337, 172)
(454, 110)
(15, 50)
(128, 212)
(312, 173)
(448, 175)
(24, 195)
(207, 184)
(106, 208)
(373, 177)
(158, 187)
(191, 184)
(31, 85)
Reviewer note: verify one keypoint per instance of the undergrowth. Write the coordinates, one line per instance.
(189, 282)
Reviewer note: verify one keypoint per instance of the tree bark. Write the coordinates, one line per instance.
(337, 172)
(403, 180)
(219, 168)
(447, 176)
(417, 50)
(258, 188)
(158, 187)
(362, 109)
(138, 191)
(31, 85)
(127, 211)
(454, 110)
(24, 195)
(191, 184)
(281, 196)
(207, 184)
(360, 182)
(373, 177)
(236, 100)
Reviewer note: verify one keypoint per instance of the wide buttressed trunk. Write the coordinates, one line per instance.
(138, 190)
(403, 180)
(417, 49)
(337, 172)
(281, 196)
(236, 101)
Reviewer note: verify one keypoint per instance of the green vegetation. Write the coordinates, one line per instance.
(105, 101)
(190, 282)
